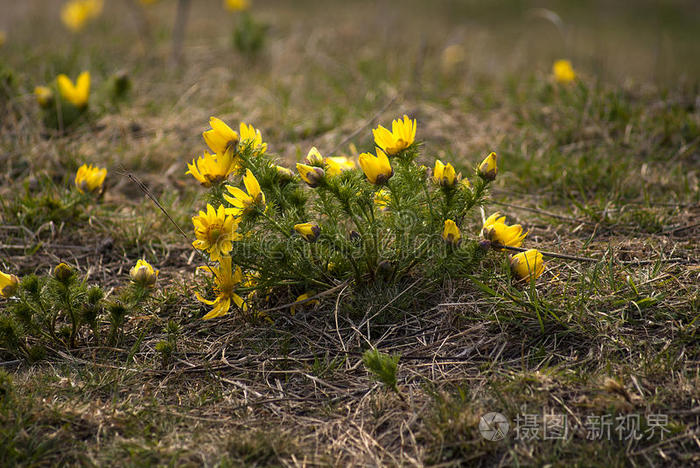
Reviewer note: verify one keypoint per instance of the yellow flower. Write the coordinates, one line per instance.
(213, 169)
(527, 265)
(236, 5)
(310, 174)
(314, 158)
(143, 274)
(148, 2)
(381, 199)
(8, 284)
(225, 281)
(43, 95)
(221, 137)
(76, 13)
(497, 231)
(284, 173)
(445, 175)
(253, 137)
(215, 231)
(377, 169)
(3, 37)
(401, 136)
(242, 201)
(77, 95)
(303, 297)
(337, 164)
(488, 168)
(563, 71)
(451, 233)
(90, 178)
(309, 231)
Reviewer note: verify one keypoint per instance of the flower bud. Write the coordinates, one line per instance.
(451, 233)
(43, 95)
(488, 167)
(284, 173)
(143, 274)
(310, 174)
(309, 231)
(314, 158)
(8, 284)
(63, 272)
(527, 265)
(444, 175)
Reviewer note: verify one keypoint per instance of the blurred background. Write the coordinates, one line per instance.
(461, 67)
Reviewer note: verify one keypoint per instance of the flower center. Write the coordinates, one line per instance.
(215, 232)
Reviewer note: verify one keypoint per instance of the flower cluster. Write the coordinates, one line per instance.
(381, 217)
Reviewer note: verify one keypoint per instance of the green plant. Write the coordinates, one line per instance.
(56, 310)
(333, 223)
(383, 368)
(249, 35)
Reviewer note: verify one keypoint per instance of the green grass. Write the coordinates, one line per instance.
(606, 169)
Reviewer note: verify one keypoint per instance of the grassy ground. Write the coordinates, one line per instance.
(606, 169)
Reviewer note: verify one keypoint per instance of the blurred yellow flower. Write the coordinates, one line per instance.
(452, 56)
(43, 95)
(253, 138)
(314, 158)
(310, 174)
(337, 164)
(236, 5)
(148, 2)
(212, 169)
(215, 232)
(76, 13)
(285, 173)
(377, 168)
(304, 297)
(77, 94)
(225, 282)
(3, 37)
(8, 284)
(381, 199)
(499, 233)
(143, 274)
(488, 168)
(563, 71)
(451, 233)
(444, 174)
(309, 231)
(401, 136)
(90, 178)
(242, 201)
(221, 137)
(527, 265)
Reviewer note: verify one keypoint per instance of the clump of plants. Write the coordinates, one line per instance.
(248, 33)
(59, 310)
(65, 103)
(267, 229)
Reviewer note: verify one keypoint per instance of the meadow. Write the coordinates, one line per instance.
(595, 362)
